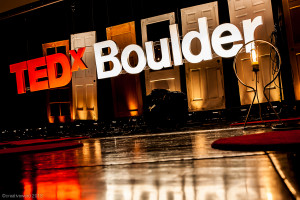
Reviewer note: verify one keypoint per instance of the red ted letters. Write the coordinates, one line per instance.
(50, 72)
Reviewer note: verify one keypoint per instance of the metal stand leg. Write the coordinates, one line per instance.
(272, 107)
(255, 92)
(259, 107)
(255, 95)
(256, 67)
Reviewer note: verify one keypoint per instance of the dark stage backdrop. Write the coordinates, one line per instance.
(22, 37)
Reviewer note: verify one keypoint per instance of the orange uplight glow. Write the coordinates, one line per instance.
(134, 113)
(51, 119)
(62, 119)
(27, 190)
(133, 110)
(61, 190)
(254, 56)
(132, 106)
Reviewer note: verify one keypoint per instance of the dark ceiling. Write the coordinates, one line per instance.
(6, 5)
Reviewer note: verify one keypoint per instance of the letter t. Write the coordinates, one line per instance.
(19, 68)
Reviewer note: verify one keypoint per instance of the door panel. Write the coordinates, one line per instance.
(79, 96)
(90, 103)
(242, 10)
(84, 82)
(168, 84)
(126, 88)
(205, 85)
(204, 80)
(162, 79)
(59, 101)
(291, 11)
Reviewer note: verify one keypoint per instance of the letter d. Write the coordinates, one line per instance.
(203, 37)
(65, 77)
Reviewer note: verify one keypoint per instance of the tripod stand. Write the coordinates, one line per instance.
(256, 69)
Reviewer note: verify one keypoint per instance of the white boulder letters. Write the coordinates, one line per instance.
(178, 50)
(217, 40)
(101, 59)
(141, 59)
(165, 55)
(203, 37)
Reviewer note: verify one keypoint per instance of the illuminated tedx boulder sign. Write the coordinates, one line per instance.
(147, 57)
(178, 49)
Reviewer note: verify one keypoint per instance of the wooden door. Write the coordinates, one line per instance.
(168, 78)
(204, 80)
(291, 9)
(126, 88)
(84, 82)
(59, 100)
(240, 10)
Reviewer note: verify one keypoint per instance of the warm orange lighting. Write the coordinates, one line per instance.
(134, 113)
(199, 145)
(68, 189)
(137, 149)
(62, 119)
(27, 190)
(80, 114)
(254, 56)
(133, 107)
(50, 119)
(98, 153)
(56, 185)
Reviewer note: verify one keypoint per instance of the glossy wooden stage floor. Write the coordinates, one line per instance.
(166, 166)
